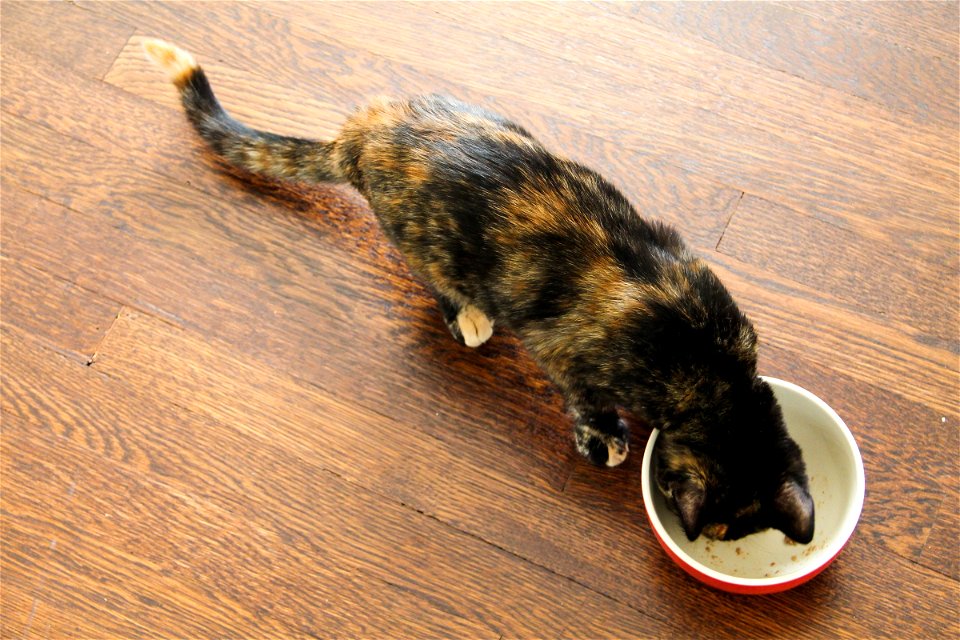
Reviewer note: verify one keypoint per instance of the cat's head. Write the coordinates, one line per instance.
(739, 475)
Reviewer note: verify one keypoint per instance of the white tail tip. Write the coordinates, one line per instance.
(178, 63)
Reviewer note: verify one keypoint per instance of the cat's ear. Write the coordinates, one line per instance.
(689, 497)
(793, 508)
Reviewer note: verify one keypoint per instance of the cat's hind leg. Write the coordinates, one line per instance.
(475, 326)
(469, 325)
(601, 437)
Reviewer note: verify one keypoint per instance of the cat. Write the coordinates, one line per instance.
(614, 308)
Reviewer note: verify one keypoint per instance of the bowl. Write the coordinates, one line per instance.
(768, 562)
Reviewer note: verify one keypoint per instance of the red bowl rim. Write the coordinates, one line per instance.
(745, 589)
(758, 586)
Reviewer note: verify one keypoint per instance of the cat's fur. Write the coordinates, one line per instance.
(614, 308)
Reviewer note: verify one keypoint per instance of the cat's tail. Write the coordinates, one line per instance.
(259, 152)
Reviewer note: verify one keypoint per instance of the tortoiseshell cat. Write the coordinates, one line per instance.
(614, 308)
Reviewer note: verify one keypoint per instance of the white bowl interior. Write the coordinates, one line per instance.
(835, 470)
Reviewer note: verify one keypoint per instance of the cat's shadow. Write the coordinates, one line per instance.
(518, 402)
(498, 375)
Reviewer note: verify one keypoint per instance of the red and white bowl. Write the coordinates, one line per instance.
(768, 562)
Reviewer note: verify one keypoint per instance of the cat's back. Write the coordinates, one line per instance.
(472, 197)
(431, 134)
(458, 150)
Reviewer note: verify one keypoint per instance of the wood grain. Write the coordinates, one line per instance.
(763, 156)
(910, 468)
(345, 234)
(940, 551)
(666, 98)
(247, 300)
(58, 31)
(261, 444)
(257, 100)
(71, 319)
(920, 26)
(895, 275)
(462, 380)
(587, 514)
(205, 549)
(696, 204)
(822, 51)
(276, 437)
(900, 359)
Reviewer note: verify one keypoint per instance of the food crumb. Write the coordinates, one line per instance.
(773, 564)
(787, 540)
(739, 551)
(794, 558)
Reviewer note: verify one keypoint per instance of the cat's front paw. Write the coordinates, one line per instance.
(600, 448)
(617, 450)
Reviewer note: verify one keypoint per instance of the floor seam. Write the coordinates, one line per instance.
(736, 207)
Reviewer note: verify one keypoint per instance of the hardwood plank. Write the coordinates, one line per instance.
(799, 154)
(920, 244)
(507, 516)
(48, 606)
(699, 206)
(299, 110)
(287, 504)
(19, 602)
(828, 606)
(339, 431)
(100, 413)
(76, 589)
(91, 252)
(908, 456)
(80, 596)
(70, 318)
(728, 85)
(367, 223)
(923, 26)
(766, 156)
(131, 130)
(598, 619)
(891, 355)
(538, 413)
(185, 580)
(233, 372)
(765, 302)
(916, 287)
(622, 553)
(79, 40)
(866, 66)
(667, 179)
(276, 359)
(837, 603)
(940, 551)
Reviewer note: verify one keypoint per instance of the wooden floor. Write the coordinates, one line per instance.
(230, 411)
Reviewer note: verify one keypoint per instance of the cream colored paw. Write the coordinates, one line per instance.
(475, 327)
(617, 451)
